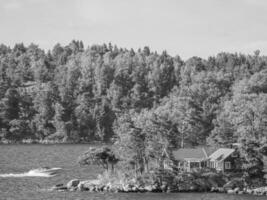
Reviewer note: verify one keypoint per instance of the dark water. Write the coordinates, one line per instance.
(19, 159)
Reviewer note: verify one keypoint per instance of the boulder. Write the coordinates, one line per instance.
(89, 185)
(164, 187)
(240, 192)
(231, 192)
(135, 189)
(91, 188)
(59, 187)
(73, 183)
(101, 188)
(217, 189)
(237, 190)
(126, 188)
(73, 189)
(155, 188)
(62, 189)
(149, 188)
(260, 191)
(81, 187)
(115, 190)
(141, 189)
(249, 191)
(214, 189)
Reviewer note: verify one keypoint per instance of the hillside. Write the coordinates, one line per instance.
(78, 94)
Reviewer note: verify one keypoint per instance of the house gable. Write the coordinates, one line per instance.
(221, 154)
(223, 159)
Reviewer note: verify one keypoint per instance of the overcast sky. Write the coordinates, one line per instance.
(182, 27)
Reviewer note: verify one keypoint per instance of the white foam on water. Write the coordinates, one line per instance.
(40, 172)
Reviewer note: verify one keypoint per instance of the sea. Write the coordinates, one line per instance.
(23, 176)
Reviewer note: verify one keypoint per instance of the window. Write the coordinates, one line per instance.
(212, 164)
(227, 165)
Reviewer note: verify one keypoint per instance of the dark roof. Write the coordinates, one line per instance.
(199, 153)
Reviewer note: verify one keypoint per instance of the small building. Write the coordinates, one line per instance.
(224, 159)
(189, 159)
(32, 87)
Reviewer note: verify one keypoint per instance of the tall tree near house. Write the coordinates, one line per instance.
(172, 111)
(200, 102)
(143, 139)
(130, 144)
(252, 163)
(263, 151)
(223, 132)
(246, 112)
(244, 118)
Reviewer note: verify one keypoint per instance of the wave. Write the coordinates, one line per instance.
(39, 172)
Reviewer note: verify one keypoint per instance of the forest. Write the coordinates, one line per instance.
(140, 98)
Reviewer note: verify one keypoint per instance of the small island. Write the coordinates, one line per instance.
(187, 170)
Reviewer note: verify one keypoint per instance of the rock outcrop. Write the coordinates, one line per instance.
(73, 184)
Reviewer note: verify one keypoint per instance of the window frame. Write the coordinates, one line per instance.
(227, 165)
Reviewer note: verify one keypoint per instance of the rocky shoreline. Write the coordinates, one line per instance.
(96, 186)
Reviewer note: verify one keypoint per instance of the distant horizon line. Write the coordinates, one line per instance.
(27, 44)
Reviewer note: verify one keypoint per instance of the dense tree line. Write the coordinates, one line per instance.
(144, 100)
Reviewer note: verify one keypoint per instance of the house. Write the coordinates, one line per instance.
(32, 87)
(224, 159)
(189, 159)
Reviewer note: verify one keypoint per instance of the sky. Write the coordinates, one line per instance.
(182, 27)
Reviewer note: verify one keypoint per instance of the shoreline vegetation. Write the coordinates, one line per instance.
(46, 141)
(144, 104)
